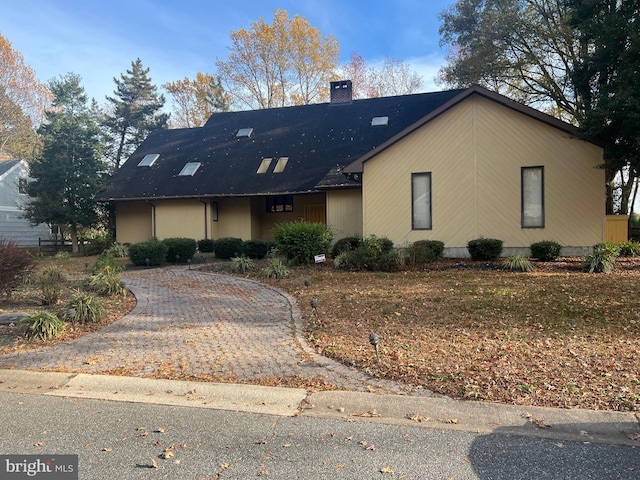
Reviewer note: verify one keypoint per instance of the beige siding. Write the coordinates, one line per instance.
(344, 213)
(134, 222)
(180, 218)
(475, 152)
(234, 219)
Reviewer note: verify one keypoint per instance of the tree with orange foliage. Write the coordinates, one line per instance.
(286, 63)
(194, 101)
(23, 99)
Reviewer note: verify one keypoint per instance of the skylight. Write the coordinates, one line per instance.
(189, 169)
(379, 121)
(149, 160)
(280, 166)
(264, 166)
(244, 132)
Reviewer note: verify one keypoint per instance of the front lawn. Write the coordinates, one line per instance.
(552, 337)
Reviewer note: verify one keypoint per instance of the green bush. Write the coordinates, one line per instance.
(426, 251)
(630, 248)
(484, 248)
(546, 251)
(345, 244)
(107, 283)
(15, 266)
(149, 253)
(375, 254)
(86, 308)
(257, 248)
(299, 242)
(52, 280)
(44, 325)
(228, 247)
(242, 264)
(205, 245)
(517, 262)
(117, 250)
(602, 259)
(181, 250)
(106, 261)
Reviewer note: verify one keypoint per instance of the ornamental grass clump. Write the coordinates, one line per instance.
(85, 308)
(43, 325)
(242, 264)
(107, 283)
(518, 263)
(602, 259)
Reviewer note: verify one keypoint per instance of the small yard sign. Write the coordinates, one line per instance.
(320, 258)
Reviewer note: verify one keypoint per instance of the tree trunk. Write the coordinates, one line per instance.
(73, 230)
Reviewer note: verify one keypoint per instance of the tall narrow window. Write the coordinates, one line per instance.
(421, 201)
(532, 197)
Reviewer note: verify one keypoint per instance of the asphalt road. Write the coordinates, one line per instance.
(123, 440)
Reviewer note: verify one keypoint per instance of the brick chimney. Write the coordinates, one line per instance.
(341, 91)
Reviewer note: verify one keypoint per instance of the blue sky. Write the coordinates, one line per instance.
(99, 39)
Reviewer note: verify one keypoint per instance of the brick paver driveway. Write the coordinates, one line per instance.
(191, 323)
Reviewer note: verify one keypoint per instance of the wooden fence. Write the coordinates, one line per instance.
(49, 246)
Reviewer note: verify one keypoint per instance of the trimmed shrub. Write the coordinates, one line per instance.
(257, 248)
(44, 325)
(630, 248)
(181, 250)
(517, 262)
(546, 251)
(426, 251)
(149, 253)
(86, 308)
(106, 261)
(375, 254)
(51, 280)
(16, 264)
(205, 245)
(602, 259)
(228, 247)
(484, 248)
(242, 264)
(346, 244)
(299, 242)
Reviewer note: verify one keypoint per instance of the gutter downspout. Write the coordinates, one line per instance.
(206, 236)
(153, 220)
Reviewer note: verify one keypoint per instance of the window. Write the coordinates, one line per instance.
(282, 163)
(379, 121)
(264, 166)
(149, 160)
(22, 186)
(421, 201)
(189, 169)
(280, 203)
(532, 197)
(244, 132)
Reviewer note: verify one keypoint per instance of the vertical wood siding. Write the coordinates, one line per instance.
(344, 213)
(475, 152)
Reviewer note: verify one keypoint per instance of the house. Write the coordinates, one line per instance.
(13, 179)
(450, 166)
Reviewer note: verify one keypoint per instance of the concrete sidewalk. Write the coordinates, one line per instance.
(614, 428)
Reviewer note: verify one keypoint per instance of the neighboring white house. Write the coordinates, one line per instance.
(13, 178)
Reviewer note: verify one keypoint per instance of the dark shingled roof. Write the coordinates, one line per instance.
(319, 141)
